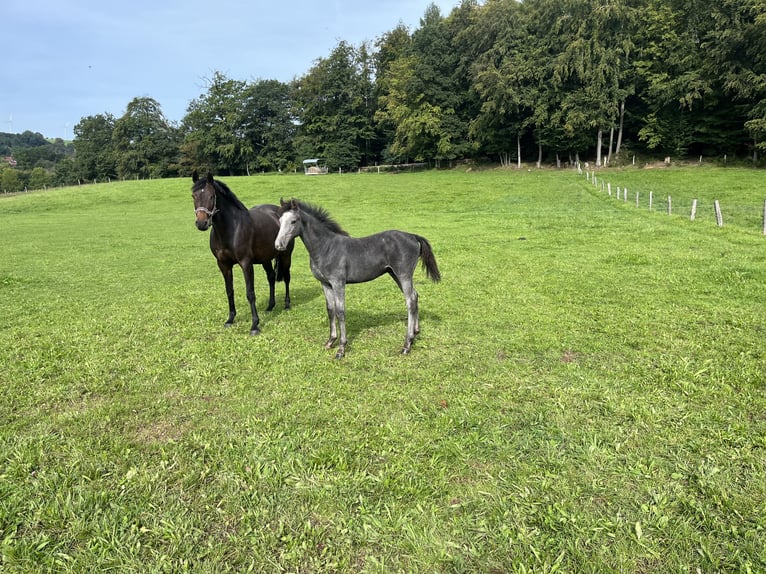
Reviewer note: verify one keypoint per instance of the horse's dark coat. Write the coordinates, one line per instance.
(337, 259)
(242, 236)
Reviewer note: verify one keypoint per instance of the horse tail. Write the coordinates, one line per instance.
(278, 267)
(428, 260)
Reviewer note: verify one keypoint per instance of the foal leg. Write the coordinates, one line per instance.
(413, 322)
(340, 312)
(330, 302)
(247, 270)
(228, 280)
(271, 276)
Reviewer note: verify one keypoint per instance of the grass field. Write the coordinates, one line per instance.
(587, 393)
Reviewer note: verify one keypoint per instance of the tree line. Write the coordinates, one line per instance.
(500, 80)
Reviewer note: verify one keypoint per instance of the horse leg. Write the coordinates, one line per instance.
(228, 280)
(330, 302)
(271, 276)
(413, 322)
(247, 271)
(340, 312)
(283, 261)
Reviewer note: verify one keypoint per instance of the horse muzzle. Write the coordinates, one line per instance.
(203, 224)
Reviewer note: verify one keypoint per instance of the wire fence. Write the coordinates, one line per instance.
(701, 209)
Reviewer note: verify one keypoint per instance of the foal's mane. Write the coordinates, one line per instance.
(321, 215)
(223, 190)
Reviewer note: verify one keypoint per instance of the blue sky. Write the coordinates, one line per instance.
(67, 59)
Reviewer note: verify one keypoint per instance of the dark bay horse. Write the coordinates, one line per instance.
(243, 236)
(337, 259)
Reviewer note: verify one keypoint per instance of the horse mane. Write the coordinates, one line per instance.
(223, 190)
(322, 215)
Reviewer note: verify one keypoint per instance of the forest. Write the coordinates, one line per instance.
(543, 82)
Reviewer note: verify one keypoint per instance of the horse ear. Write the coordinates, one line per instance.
(195, 176)
(209, 178)
(293, 204)
(282, 203)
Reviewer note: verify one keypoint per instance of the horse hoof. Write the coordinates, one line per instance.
(254, 332)
(405, 351)
(228, 325)
(339, 355)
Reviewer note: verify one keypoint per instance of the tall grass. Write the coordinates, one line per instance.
(586, 393)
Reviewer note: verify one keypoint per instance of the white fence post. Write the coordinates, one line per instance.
(718, 215)
(694, 210)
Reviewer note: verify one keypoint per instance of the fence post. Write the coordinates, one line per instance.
(609, 189)
(651, 198)
(718, 216)
(624, 194)
(764, 216)
(694, 210)
(670, 205)
(636, 199)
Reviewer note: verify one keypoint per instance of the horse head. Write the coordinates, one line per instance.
(204, 195)
(290, 225)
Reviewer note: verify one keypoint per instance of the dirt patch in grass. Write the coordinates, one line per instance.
(161, 431)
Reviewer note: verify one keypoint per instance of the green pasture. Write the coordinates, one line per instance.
(587, 393)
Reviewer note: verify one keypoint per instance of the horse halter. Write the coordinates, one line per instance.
(207, 211)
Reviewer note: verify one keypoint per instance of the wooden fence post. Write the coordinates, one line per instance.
(694, 210)
(636, 199)
(609, 189)
(651, 197)
(718, 216)
(624, 194)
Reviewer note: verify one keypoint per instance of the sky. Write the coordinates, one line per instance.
(68, 59)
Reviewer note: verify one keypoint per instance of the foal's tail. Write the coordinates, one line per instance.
(282, 262)
(428, 260)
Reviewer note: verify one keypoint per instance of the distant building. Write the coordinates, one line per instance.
(9, 160)
(314, 167)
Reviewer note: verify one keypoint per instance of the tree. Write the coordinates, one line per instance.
(592, 68)
(500, 77)
(270, 125)
(335, 108)
(145, 143)
(735, 47)
(674, 88)
(95, 155)
(391, 47)
(418, 97)
(10, 182)
(216, 128)
(39, 178)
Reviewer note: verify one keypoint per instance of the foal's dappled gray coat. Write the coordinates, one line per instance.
(337, 259)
